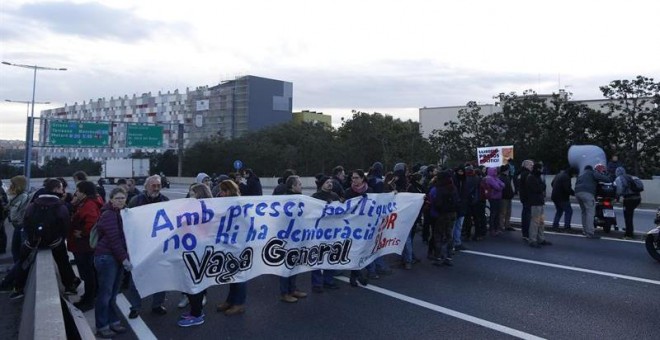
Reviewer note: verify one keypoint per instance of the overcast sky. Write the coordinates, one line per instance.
(387, 56)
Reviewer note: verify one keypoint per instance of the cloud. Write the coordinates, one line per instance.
(84, 20)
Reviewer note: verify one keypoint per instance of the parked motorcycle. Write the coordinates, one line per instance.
(653, 239)
(604, 217)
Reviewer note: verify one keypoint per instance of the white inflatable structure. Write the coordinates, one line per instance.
(580, 156)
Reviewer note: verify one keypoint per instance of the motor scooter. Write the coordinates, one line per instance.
(652, 241)
(604, 216)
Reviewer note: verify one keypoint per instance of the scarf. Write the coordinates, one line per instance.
(360, 189)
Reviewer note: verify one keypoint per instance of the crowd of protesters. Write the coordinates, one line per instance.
(462, 204)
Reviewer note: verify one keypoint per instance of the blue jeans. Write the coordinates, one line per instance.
(408, 249)
(237, 293)
(378, 264)
(288, 284)
(323, 277)
(134, 298)
(562, 207)
(456, 231)
(525, 219)
(108, 272)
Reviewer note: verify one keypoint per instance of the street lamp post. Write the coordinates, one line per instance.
(30, 121)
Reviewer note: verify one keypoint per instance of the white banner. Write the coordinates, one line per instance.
(188, 245)
(492, 156)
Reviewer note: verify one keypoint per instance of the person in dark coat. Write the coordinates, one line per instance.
(45, 225)
(324, 279)
(561, 193)
(85, 215)
(507, 195)
(252, 185)
(110, 259)
(359, 187)
(521, 188)
(444, 204)
(281, 188)
(536, 198)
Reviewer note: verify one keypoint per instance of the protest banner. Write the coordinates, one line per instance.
(492, 156)
(188, 245)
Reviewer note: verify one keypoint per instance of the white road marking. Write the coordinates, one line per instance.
(552, 265)
(447, 311)
(138, 325)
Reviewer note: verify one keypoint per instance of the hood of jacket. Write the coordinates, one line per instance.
(492, 172)
(200, 177)
(620, 171)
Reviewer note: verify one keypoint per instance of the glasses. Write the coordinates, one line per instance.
(119, 198)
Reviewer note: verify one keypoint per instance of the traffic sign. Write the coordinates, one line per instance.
(76, 133)
(144, 136)
(238, 164)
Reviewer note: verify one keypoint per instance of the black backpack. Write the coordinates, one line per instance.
(40, 225)
(635, 184)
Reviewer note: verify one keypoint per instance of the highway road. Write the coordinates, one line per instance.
(498, 289)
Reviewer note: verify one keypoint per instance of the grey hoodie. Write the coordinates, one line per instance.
(588, 181)
(621, 183)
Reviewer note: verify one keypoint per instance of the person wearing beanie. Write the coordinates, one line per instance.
(375, 178)
(536, 198)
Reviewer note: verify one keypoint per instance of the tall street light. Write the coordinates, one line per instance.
(28, 102)
(30, 122)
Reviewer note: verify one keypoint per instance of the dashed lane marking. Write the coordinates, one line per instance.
(447, 311)
(559, 266)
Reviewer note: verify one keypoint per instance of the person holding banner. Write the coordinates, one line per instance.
(196, 316)
(288, 289)
(235, 302)
(151, 194)
(358, 187)
(110, 258)
(324, 278)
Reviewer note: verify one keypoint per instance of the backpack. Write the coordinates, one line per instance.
(94, 236)
(635, 184)
(40, 223)
(484, 190)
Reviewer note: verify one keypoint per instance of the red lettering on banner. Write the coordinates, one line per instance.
(390, 221)
(487, 157)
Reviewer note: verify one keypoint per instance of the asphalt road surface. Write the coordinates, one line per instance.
(500, 288)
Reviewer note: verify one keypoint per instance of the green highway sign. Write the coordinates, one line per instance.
(144, 136)
(77, 133)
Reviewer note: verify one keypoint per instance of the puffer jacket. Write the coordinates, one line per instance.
(110, 228)
(17, 207)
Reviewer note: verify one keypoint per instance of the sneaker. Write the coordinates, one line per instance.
(317, 289)
(534, 244)
(235, 309)
(134, 313)
(298, 294)
(288, 298)
(545, 243)
(183, 302)
(105, 333)
(407, 266)
(192, 321)
(187, 315)
(593, 237)
(160, 310)
(223, 307)
(447, 262)
(118, 328)
(84, 305)
(628, 238)
(16, 294)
